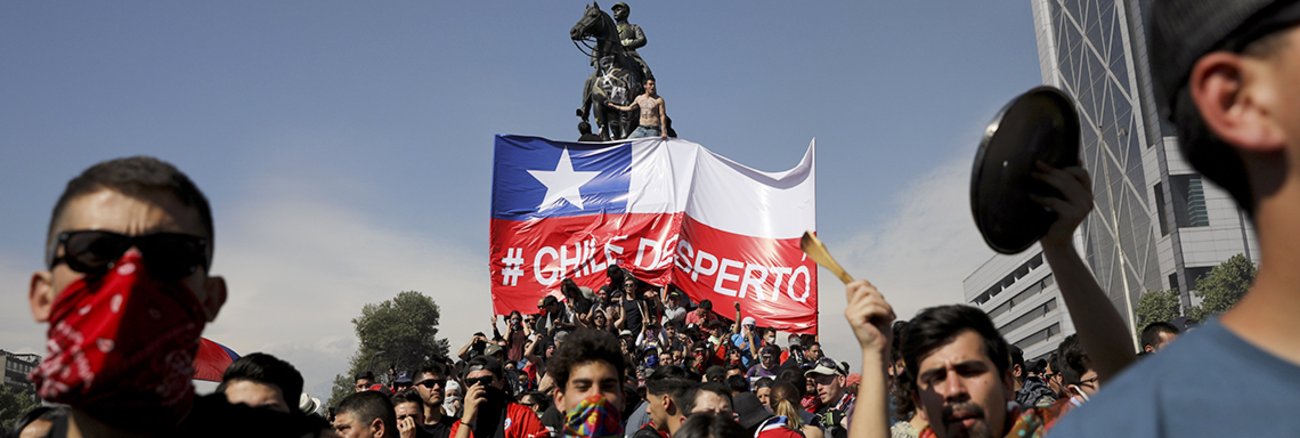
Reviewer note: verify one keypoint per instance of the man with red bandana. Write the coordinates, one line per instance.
(126, 296)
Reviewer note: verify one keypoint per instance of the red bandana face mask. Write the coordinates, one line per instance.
(121, 347)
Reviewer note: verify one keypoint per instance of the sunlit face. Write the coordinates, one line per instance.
(830, 388)
(256, 394)
(588, 379)
(709, 401)
(348, 425)
(431, 388)
(814, 353)
(764, 396)
(362, 385)
(1088, 385)
(409, 410)
(109, 210)
(961, 390)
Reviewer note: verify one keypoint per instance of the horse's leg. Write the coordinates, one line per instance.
(585, 109)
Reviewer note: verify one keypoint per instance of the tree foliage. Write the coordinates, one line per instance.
(1220, 289)
(15, 402)
(400, 333)
(1157, 306)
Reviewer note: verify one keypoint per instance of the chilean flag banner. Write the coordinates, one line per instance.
(669, 211)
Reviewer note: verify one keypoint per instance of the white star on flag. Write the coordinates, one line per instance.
(563, 182)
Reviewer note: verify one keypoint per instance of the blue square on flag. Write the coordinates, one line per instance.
(535, 178)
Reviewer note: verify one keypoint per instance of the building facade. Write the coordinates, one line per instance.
(17, 366)
(1156, 224)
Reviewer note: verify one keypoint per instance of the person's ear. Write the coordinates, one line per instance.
(214, 297)
(558, 398)
(1236, 99)
(40, 295)
(377, 428)
(1148, 349)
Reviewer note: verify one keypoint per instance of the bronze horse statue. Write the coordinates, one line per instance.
(617, 77)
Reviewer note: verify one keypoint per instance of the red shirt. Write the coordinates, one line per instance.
(520, 422)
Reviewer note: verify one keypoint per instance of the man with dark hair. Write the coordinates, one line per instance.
(710, 397)
(431, 386)
(1076, 371)
(589, 363)
(962, 369)
(489, 410)
(702, 315)
(1035, 392)
(363, 381)
(127, 270)
(408, 408)
(814, 352)
(664, 413)
(737, 384)
(260, 379)
(365, 414)
(767, 363)
(1156, 335)
(1017, 367)
(1224, 72)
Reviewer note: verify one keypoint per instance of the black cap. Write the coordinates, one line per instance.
(1181, 31)
(750, 410)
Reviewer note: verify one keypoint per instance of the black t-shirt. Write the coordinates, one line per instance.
(632, 316)
(213, 416)
(441, 429)
(553, 419)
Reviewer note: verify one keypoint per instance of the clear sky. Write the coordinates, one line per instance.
(346, 146)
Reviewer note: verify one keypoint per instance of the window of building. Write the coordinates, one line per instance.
(1194, 275)
(1038, 312)
(1039, 336)
(1189, 201)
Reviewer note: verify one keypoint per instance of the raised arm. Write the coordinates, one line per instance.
(1101, 329)
(735, 327)
(870, 316)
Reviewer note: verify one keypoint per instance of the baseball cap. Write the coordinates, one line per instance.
(1181, 31)
(403, 378)
(825, 366)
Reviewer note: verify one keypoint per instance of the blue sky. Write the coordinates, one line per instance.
(346, 146)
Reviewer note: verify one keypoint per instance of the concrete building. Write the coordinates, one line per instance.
(17, 366)
(1156, 224)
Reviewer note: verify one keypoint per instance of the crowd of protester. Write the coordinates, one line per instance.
(126, 292)
(676, 357)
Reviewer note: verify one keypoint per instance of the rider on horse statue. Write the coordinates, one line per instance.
(631, 36)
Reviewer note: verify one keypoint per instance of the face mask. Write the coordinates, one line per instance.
(122, 346)
(594, 417)
(1080, 397)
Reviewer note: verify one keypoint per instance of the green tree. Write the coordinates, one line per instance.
(401, 333)
(1156, 306)
(1220, 289)
(15, 401)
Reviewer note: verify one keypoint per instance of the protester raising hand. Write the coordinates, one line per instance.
(1102, 331)
(870, 316)
(406, 427)
(474, 399)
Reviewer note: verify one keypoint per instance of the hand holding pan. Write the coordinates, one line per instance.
(1038, 126)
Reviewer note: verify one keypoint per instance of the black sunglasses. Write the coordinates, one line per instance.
(430, 383)
(167, 255)
(485, 380)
